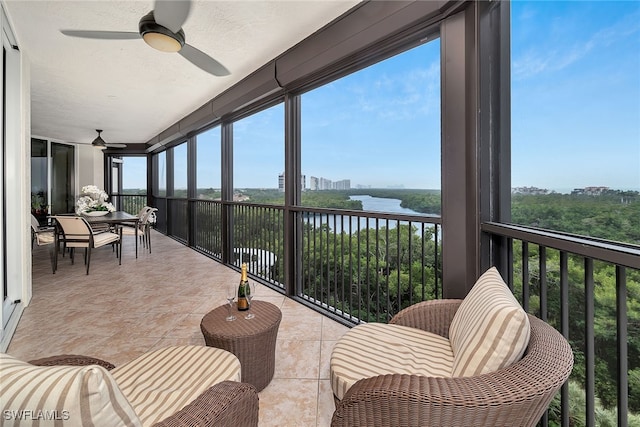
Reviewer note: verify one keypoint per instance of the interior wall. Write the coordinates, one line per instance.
(90, 167)
(17, 178)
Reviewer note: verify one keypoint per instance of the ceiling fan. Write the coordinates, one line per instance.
(100, 143)
(162, 29)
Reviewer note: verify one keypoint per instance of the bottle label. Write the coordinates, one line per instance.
(243, 303)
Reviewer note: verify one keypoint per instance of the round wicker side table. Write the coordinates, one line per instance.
(253, 341)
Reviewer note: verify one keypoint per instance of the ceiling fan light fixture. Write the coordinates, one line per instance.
(159, 37)
(162, 42)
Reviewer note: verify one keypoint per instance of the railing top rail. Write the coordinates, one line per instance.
(431, 219)
(623, 254)
(424, 218)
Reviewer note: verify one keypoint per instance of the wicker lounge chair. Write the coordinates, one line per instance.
(514, 396)
(225, 403)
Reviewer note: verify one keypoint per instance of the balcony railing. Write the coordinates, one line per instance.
(365, 266)
(580, 286)
(356, 266)
(131, 203)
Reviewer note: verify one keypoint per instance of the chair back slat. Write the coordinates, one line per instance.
(74, 228)
(34, 223)
(143, 211)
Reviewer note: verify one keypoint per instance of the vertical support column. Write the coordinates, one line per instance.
(292, 193)
(152, 178)
(460, 229)
(170, 193)
(494, 124)
(191, 189)
(226, 182)
(476, 177)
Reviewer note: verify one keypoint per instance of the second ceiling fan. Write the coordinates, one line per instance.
(162, 29)
(100, 143)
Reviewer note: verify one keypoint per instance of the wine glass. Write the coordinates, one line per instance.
(231, 295)
(249, 298)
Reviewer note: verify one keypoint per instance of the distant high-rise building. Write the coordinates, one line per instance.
(343, 184)
(325, 184)
(314, 183)
(281, 181)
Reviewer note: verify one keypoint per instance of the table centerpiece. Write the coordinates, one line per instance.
(93, 202)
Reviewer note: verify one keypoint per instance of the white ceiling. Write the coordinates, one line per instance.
(130, 90)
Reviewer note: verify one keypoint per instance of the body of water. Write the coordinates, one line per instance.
(338, 223)
(380, 204)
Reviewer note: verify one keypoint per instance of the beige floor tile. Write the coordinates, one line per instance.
(289, 403)
(326, 404)
(156, 324)
(297, 359)
(325, 357)
(188, 327)
(331, 330)
(296, 325)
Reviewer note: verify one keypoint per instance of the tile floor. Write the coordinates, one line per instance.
(118, 312)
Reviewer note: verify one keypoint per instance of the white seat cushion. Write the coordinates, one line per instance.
(162, 382)
(374, 349)
(45, 237)
(61, 396)
(102, 239)
(490, 330)
(130, 231)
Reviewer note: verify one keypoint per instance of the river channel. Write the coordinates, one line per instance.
(351, 224)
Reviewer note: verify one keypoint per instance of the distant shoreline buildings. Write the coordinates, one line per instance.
(316, 184)
(321, 183)
(590, 191)
(529, 190)
(586, 191)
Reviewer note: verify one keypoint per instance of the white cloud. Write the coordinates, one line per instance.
(553, 55)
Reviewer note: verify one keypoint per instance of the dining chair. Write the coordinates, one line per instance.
(139, 228)
(41, 235)
(75, 232)
(149, 223)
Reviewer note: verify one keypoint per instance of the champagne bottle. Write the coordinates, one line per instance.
(243, 288)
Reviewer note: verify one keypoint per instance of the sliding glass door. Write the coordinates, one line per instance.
(63, 194)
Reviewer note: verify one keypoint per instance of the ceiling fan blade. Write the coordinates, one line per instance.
(203, 61)
(103, 35)
(171, 14)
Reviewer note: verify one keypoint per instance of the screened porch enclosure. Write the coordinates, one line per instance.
(364, 266)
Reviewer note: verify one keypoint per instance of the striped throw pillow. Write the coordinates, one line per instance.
(61, 396)
(490, 330)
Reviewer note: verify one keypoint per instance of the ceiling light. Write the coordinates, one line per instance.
(99, 142)
(159, 37)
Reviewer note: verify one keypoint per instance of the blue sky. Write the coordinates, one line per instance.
(576, 94)
(575, 111)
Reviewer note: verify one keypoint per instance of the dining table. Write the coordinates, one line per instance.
(115, 218)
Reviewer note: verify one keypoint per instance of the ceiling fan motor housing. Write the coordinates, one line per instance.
(159, 37)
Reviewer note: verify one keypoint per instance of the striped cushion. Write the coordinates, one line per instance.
(375, 349)
(61, 396)
(160, 383)
(490, 330)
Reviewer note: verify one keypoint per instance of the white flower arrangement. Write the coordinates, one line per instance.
(93, 199)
